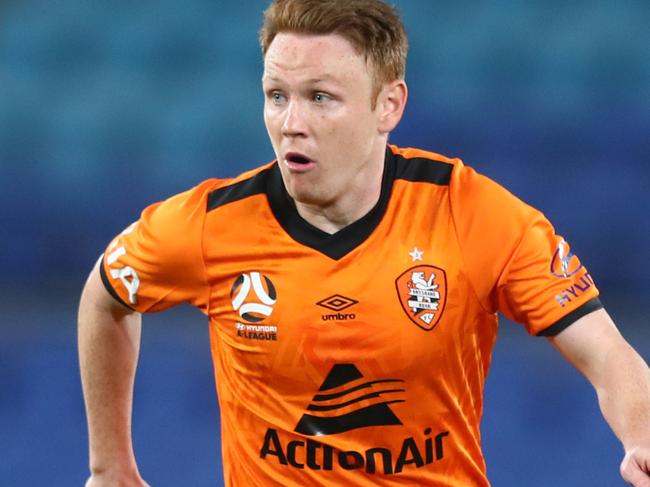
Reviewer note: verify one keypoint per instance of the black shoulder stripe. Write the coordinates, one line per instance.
(575, 315)
(109, 286)
(423, 170)
(238, 191)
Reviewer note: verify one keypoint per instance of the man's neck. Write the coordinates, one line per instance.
(354, 203)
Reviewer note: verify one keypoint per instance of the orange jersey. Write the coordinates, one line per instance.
(357, 358)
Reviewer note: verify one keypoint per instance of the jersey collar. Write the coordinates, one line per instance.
(341, 243)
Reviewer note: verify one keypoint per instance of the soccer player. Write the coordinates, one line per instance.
(351, 286)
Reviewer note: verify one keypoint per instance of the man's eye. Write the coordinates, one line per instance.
(321, 97)
(277, 97)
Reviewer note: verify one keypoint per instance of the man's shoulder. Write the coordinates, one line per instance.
(467, 188)
(252, 174)
(418, 165)
(211, 188)
(194, 202)
(249, 183)
(412, 153)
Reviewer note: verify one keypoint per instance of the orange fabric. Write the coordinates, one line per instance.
(364, 370)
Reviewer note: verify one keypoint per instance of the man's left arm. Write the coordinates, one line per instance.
(621, 379)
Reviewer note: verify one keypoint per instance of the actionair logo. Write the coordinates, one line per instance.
(257, 305)
(337, 303)
(337, 407)
(344, 402)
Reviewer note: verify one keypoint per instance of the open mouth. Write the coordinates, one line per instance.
(297, 158)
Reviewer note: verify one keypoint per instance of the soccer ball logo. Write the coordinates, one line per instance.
(258, 305)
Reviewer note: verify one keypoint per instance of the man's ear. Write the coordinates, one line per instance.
(390, 105)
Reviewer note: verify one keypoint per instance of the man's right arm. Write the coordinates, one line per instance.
(109, 344)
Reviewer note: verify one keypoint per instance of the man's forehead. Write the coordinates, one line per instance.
(274, 77)
(288, 40)
(312, 58)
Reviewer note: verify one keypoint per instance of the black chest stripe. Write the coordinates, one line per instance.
(423, 170)
(238, 191)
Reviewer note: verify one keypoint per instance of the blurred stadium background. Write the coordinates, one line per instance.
(108, 106)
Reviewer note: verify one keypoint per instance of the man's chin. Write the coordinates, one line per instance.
(306, 194)
(303, 189)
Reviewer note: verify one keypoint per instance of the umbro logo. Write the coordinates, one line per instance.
(337, 303)
(345, 401)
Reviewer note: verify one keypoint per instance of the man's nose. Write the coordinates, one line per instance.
(294, 120)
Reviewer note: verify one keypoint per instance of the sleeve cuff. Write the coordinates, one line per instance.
(563, 323)
(109, 286)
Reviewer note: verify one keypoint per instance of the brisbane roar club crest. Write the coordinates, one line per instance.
(422, 292)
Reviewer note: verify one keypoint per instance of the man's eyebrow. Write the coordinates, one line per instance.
(313, 81)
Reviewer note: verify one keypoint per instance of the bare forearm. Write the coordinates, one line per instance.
(108, 352)
(621, 378)
(624, 395)
(617, 372)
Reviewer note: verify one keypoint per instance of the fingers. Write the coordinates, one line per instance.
(637, 479)
(635, 468)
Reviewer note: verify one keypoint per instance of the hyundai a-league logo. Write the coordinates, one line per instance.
(565, 263)
(253, 296)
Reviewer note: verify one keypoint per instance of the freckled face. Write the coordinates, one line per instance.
(318, 114)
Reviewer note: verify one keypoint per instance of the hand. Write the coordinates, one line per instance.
(113, 480)
(635, 467)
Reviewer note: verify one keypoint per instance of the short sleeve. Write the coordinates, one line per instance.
(516, 262)
(157, 262)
